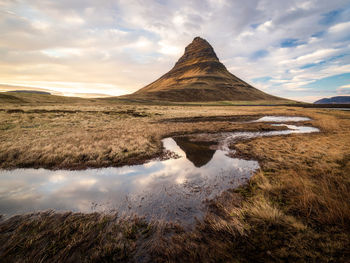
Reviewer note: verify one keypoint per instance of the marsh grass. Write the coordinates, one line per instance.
(78, 136)
(294, 209)
(70, 237)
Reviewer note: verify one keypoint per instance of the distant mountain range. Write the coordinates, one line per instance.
(334, 100)
(31, 91)
(199, 76)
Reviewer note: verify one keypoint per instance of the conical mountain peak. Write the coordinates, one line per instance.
(199, 76)
(198, 51)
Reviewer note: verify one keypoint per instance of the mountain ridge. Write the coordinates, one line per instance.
(334, 100)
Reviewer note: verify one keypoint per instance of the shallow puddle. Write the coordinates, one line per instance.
(281, 119)
(174, 189)
(224, 139)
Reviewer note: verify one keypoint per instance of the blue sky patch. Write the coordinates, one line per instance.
(309, 65)
(260, 54)
(262, 79)
(254, 26)
(330, 17)
(330, 83)
(291, 42)
(331, 59)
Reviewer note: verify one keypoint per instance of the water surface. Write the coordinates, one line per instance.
(282, 119)
(174, 189)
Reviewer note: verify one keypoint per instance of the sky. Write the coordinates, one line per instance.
(297, 49)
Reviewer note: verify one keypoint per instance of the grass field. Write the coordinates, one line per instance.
(74, 133)
(294, 209)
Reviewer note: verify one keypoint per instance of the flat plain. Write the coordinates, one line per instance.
(295, 208)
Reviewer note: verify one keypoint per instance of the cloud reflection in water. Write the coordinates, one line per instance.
(172, 189)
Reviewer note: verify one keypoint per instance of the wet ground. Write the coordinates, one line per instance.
(174, 189)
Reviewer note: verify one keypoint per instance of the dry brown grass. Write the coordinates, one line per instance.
(95, 135)
(295, 209)
(68, 237)
(310, 173)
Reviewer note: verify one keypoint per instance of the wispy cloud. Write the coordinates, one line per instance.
(345, 89)
(116, 47)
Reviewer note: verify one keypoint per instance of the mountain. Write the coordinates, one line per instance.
(199, 76)
(31, 91)
(334, 100)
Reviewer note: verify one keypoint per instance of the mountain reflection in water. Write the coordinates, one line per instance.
(198, 152)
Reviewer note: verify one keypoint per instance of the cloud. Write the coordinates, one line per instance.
(126, 44)
(316, 56)
(340, 28)
(345, 89)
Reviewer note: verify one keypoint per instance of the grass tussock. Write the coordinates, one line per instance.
(69, 237)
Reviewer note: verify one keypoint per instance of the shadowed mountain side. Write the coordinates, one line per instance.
(200, 76)
(199, 153)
